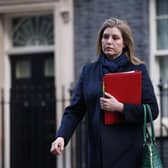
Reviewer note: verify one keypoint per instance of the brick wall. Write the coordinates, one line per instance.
(90, 14)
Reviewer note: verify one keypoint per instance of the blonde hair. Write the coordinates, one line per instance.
(127, 38)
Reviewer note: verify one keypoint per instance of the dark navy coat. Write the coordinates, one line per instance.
(114, 146)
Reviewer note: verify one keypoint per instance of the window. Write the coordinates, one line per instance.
(162, 24)
(164, 82)
(32, 31)
(49, 67)
(162, 49)
(23, 69)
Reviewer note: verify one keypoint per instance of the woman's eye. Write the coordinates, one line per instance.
(105, 36)
(116, 37)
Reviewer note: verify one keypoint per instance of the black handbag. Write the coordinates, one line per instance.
(151, 157)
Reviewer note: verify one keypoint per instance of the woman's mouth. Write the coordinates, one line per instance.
(109, 49)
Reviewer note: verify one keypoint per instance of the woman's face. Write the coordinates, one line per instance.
(112, 42)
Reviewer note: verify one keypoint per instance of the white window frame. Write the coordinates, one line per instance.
(155, 54)
(25, 49)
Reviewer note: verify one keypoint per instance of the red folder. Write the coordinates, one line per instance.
(126, 88)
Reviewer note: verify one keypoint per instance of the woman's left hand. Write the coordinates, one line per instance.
(110, 103)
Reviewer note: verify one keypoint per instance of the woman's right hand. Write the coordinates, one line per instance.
(57, 146)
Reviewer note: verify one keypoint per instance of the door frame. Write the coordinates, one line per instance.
(38, 113)
(63, 29)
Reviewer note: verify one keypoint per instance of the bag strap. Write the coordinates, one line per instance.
(146, 134)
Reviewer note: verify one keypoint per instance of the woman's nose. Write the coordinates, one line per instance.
(110, 40)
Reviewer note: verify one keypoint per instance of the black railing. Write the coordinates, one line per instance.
(32, 126)
(162, 132)
(2, 104)
(78, 145)
(163, 124)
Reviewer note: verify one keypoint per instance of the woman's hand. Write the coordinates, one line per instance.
(110, 103)
(57, 147)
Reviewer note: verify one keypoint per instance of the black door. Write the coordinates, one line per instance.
(33, 119)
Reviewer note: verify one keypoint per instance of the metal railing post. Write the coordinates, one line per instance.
(162, 88)
(2, 127)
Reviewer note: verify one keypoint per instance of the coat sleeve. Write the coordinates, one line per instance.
(73, 113)
(134, 113)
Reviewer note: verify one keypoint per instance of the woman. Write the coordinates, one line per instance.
(112, 146)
